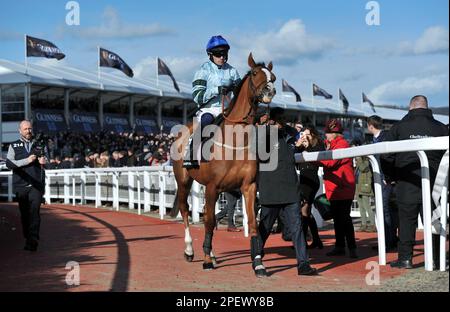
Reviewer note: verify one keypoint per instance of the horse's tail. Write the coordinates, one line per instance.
(175, 209)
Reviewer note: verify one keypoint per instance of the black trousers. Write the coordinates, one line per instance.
(408, 215)
(231, 198)
(292, 217)
(343, 225)
(390, 212)
(29, 199)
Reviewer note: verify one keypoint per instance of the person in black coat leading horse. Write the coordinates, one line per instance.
(279, 191)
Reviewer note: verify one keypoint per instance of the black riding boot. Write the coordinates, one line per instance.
(189, 162)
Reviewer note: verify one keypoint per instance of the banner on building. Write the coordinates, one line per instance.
(84, 122)
(145, 125)
(116, 123)
(49, 121)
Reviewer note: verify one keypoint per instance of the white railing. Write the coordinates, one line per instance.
(417, 145)
(134, 187)
(142, 187)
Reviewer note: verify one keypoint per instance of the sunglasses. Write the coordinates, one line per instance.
(220, 53)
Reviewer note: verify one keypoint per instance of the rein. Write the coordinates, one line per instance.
(245, 119)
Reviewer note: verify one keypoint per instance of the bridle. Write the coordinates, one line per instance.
(255, 99)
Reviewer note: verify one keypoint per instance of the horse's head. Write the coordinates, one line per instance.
(261, 81)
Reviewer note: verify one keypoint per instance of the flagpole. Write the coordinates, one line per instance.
(157, 76)
(98, 63)
(315, 109)
(362, 105)
(26, 58)
(338, 99)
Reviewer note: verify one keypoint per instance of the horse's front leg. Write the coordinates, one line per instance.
(211, 196)
(249, 192)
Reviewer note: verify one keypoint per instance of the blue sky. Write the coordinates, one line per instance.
(325, 42)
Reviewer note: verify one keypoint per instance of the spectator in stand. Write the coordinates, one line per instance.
(78, 161)
(132, 160)
(157, 159)
(103, 160)
(123, 159)
(309, 182)
(364, 191)
(66, 164)
(114, 161)
(339, 182)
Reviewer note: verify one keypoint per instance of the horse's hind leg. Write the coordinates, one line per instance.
(209, 221)
(182, 196)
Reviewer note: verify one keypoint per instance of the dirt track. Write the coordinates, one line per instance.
(120, 251)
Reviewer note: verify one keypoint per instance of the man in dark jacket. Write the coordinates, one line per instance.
(26, 160)
(279, 191)
(405, 169)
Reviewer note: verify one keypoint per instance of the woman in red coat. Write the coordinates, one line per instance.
(339, 182)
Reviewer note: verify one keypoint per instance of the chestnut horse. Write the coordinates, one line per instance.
(220, 175)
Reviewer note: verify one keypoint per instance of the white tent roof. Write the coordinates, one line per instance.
(69, 77)
(63, 76)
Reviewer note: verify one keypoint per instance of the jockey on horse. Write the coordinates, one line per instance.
(212, 84)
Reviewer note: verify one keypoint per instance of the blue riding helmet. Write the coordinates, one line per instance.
(215, 42)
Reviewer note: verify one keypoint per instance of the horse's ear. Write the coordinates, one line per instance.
(251, 61)
(270, 66)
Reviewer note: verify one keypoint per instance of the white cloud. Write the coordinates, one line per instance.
(434, 40)
(408, 87)
(10, 35)
(112, 27)
(286, 45)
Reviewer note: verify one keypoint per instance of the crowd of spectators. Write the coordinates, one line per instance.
(107, 149)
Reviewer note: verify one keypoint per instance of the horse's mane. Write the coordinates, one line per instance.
(238, 88)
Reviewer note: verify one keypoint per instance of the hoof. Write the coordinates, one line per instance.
(261, 273)
(207, 266)
(214, 261)
(188, 258)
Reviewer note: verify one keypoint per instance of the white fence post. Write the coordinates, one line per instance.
(98, 190)
(115, 181)
(426, 201)
(195, 194)
(73, 189)
(379, 209)
(147, 185)
(443, 240)
(138, 192)
(83, 188)
(162, 196)
(131, 185)
(66, 188)
(47, 189)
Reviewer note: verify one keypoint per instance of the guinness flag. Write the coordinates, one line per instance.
(366, 100)
(43, 48)
(110, 59)
(321, 92)
(164, 70)
(344, 101)
(288, 88)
